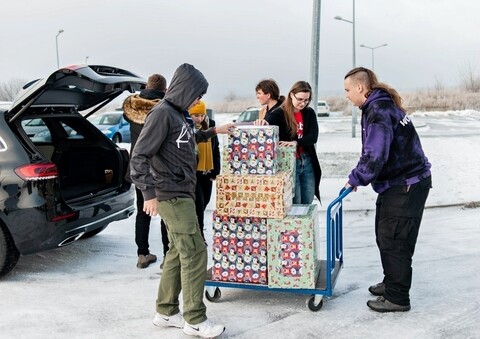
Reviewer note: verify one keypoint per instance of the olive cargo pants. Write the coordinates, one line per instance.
(185, 265)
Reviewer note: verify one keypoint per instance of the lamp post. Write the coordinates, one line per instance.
(56, 44)
(315, 53)
(354, 112)
(373, 53)
(86, 59)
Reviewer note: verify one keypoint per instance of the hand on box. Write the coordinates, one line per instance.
(260, 122)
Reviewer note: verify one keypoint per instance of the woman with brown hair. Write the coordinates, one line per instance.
(298, 127)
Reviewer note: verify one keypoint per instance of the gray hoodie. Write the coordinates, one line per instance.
(163, 162)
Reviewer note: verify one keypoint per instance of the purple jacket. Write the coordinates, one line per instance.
(391, 150)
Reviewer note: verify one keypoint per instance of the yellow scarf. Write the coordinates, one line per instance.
(205, 156)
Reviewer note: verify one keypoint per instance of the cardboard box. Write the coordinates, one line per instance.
(250, 195)
(239, 249)
(251, 150)
(293, 245)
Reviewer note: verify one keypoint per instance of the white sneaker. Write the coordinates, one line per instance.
(175, 320)
(207, 329)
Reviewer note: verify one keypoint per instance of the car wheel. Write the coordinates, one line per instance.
(8, 252)
(117, 138)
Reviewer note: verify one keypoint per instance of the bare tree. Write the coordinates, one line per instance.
(9, 89)
(439, 85)
(469, 80)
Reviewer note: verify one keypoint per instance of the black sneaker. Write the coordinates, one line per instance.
(378, 289)
(383, 305)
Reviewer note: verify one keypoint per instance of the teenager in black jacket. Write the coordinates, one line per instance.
(298, 128)
(135, 110)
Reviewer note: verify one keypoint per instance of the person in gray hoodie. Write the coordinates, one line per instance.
(163, 167)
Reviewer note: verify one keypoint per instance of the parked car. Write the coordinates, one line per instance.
(248, 115)
(69, 184)
(323, 109)
(113, 125)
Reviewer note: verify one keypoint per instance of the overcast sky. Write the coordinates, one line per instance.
(237, 43)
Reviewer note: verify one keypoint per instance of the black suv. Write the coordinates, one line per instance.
(67, 181)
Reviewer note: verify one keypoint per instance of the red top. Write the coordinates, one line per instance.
(299, 119)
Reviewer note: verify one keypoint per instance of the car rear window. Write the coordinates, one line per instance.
(40, 130)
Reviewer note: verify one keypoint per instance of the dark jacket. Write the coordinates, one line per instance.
(264, 111)
(310, 137)
(163, 163)
(391, 150)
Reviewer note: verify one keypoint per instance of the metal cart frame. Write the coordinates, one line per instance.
(329, 267)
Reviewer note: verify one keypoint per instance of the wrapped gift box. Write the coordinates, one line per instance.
(292, 247)
(251, 150)
(250, 195)
(239, 249)
(286, 159)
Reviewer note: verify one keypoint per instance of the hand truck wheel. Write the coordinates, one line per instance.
(315, 302)
(213, 297)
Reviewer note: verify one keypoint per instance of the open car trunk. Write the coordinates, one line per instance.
(88, 163)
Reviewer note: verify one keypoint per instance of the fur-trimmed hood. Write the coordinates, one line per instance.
(136, 108)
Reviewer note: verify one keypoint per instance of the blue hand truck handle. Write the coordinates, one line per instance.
(343, 193)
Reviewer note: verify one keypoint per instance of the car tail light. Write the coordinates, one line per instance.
(40, 171)
(63, 217)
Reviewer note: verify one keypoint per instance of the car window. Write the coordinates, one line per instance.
(110, 119)
(63, 130)
(34, 122)
(249, 115)
(95, 119)
(106, 119)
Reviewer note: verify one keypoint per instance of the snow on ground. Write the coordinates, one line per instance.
(92, 289)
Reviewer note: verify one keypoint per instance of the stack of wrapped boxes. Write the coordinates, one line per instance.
(253, 199)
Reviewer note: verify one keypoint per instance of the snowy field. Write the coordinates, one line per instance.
(92, 289)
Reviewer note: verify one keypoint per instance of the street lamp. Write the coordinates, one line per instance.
(86, 59)
(354, 112)
(315, 53)
(373, 50)
(56, 44)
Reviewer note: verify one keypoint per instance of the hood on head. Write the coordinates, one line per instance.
(187, 84)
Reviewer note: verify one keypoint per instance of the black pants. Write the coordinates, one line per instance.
(203, 192)
(397, 222)
(142, 228)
